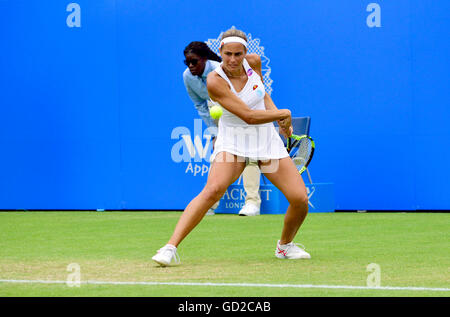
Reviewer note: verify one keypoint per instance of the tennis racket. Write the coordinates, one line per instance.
(301, 150)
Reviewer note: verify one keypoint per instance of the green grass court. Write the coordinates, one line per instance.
(411, 249)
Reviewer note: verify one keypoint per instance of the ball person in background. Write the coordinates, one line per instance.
(201, 60)
(237, 86)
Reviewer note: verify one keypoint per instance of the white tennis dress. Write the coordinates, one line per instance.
(257, 141)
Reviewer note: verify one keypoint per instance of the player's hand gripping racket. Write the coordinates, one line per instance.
(301, 150)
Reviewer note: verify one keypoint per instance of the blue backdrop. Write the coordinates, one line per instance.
(93, 107)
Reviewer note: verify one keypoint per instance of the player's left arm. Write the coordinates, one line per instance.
(254, 60)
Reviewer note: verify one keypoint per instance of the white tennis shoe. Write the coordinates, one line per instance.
(249, 210)
(291, 251)
(167, 256)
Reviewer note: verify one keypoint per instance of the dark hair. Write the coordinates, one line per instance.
(202, 50)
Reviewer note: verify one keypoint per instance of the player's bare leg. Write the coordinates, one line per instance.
(284, 175)
(287, 179)
(225, 170)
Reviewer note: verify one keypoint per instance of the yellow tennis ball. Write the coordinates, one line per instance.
(215, 112)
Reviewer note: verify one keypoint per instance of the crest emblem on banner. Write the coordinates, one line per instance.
(254, 46)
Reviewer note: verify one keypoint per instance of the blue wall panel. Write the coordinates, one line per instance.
(59, 110)
(430, 52)
(89, 115)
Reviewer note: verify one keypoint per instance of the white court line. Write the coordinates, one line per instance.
(389, 288)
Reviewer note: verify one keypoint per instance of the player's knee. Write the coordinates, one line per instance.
(300, 200)
(214, 192)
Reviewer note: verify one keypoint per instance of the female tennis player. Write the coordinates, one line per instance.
(200, 61)
(246, 132)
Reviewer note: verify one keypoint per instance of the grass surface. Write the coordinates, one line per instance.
(411, 249)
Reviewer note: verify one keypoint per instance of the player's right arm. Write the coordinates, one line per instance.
(219, 91)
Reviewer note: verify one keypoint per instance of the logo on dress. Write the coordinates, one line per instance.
(255, 86)
(249, 72)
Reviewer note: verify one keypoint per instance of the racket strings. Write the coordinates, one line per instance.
(301, 153)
